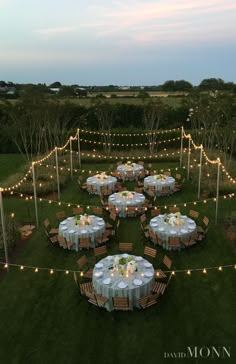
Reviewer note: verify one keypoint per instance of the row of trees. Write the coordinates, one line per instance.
(209, 84)
(36, 125)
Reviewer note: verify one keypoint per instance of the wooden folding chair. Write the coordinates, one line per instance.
(167, 173)
(78, 211)
(150, 252)
(62, 242)
(173, 209)
(102, 250)
(167, 262)
(96, 299)
(126, 247)
(165, 191)
(155, 212)
(194, 214)
(174, 242)
(204, 228)
(61, 215)
(97, 211)
(102, 239)
(85, 287)
(148, 300)
(121, 304)
(51, 231)
(131, 211)
(52, 238)
(84, 243)
(83, 264)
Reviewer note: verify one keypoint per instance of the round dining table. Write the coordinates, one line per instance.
(130, 171)
(109, 282)
(125, 199)
(99, 181)
(159, 182)
(164, 229)
(73, 231)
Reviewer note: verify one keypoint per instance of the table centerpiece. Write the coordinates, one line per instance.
(124, 265)
(160, 177)
(127, 195)
(83, 220)
(173, 219)
(102, 176)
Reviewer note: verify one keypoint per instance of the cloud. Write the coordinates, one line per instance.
(56, 30)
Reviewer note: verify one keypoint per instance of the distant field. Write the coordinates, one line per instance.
(171, 101)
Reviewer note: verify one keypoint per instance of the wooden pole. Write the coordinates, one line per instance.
(3, 229)
(217, 189)
(57, 173)
(189, 152)
(200, 174)
(181, 146)
(35, 196)
(79, 147)
(71, 158)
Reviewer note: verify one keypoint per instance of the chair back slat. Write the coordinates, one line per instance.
(167, 262)
(150, 252)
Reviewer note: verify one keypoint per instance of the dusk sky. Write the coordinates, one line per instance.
(120, 42)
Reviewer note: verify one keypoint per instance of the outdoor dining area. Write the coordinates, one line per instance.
(126, 281)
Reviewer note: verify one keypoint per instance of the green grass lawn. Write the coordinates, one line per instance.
(45, 320)
(10, 163)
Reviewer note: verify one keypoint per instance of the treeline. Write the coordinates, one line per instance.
(10, 90)
(35, 125)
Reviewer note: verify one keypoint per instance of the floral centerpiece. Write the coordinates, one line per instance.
(83, 220)
(127, 195)
(129, 164)
(174, 219)
(102, 176)
(160, 177)
(124, 266)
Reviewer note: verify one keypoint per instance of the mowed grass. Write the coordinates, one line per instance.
(10, 163)
(45, 320)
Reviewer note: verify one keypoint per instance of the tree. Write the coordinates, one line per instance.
(105, 117)
(153, 113)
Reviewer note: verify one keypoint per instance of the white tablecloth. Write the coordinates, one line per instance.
(164, 230)
(121, 203)
(133, 171)
(144, 275)
(97, 183)
(159, 184)
(73, 233)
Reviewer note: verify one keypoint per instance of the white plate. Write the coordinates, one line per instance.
(148, 274)
(99, 218)
(191, 227)
(122, 285)
(100, 223)
(154, 224)
(106, 281)
(99, 265)
(70, 218)
(109, 257)
(71, 231)
(184, 216)
(173, 231)
(138, 259)
(137, 282)
(125, 255)
(96, 228)
(191, 221)
(98, 274)
(83, 231)
(63, 223)
(147, 265)
(184, 231)
(112, 198)
(64, 228)
(160, 229)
